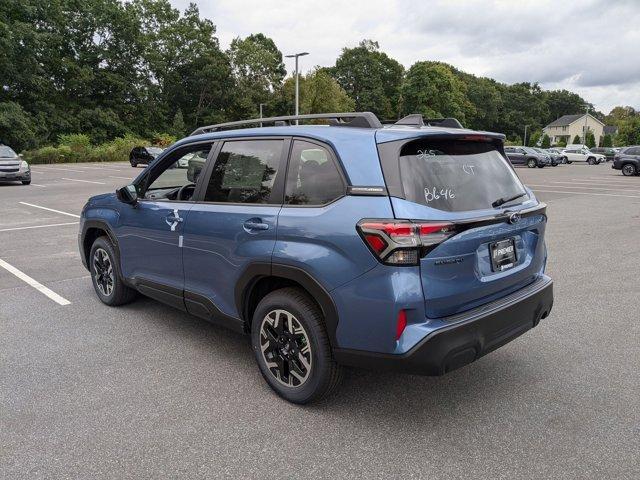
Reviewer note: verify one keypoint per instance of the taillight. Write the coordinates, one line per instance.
(402, 242)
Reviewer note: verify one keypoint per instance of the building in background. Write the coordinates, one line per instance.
(567, 127)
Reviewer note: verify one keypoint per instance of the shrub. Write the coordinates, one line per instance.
(76, 141)
(77, 148)
(163, 139)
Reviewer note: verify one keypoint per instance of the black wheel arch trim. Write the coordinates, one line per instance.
(258, 270)
(101, 225)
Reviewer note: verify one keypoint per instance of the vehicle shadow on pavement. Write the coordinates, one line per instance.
(502, 374)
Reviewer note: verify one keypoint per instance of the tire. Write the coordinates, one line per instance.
(273, 328)
(532, 163)
(26, 182)
(591, 161)
(105, 269)
(629, 170)
(134, 164)
(569, 162)
(564, 160)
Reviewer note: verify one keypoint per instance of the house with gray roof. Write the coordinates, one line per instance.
(567, 127)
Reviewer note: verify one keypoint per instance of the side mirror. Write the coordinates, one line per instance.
(127, 194)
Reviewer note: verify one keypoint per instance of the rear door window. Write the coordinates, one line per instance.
(457, 175)
(313, 177)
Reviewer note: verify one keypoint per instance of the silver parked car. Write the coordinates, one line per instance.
(12, 167)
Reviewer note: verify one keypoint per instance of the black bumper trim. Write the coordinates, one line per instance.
(472, 335)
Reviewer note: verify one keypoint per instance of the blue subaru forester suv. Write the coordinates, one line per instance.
(413, 246)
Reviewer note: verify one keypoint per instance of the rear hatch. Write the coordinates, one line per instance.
(494, 228)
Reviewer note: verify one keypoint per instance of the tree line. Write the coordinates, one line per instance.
(108, 68)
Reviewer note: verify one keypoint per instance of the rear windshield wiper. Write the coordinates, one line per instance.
(503, 200)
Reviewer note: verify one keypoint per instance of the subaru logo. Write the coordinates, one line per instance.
(514, 218)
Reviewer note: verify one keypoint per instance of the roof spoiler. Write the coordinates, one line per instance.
(345, 119)
(416, 120)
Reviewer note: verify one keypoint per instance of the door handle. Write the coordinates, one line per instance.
(255, 224)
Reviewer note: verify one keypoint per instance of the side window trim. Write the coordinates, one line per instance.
(332, 157)
(277, 192)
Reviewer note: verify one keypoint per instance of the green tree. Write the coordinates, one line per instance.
(16, 126)
(178, 127)
(371, 78)
(607, 141)
(590, 139)
(629, 132)
(432, 89)
(258, 71)
(563, 102)
(577, 139)
(546, 141)
(522, 104)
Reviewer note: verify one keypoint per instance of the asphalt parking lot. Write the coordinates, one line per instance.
(144, 391)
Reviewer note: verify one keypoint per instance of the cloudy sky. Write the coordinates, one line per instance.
(591, 47)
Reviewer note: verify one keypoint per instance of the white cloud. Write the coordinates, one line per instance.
(590, 47)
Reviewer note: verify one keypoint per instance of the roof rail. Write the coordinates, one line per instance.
(416, 120)
(345, 119)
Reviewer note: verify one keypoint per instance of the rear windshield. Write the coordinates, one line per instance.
(457, 175)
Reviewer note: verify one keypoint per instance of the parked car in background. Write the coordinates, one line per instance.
(144, 155)
(411, 249)
(560, 157)
(608, 152)
(583, 155)
(12, 167)
(553, 160)
(628, 160)
(526, 156)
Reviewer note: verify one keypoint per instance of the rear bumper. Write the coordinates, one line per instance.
(470, 335)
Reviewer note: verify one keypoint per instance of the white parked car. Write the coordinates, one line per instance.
(582, 154)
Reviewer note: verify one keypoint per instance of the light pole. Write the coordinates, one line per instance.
(584, 134)
(296, 55)
(525, 136)
(261, 105)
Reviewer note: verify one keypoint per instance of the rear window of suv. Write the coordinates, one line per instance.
(457, 175)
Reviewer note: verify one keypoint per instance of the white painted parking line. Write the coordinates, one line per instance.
(13, 229)
(62, 169)
(34, 283)
(587, 193)
(37, 185)
(123, 178)
(600, 181)
(50, 209)
(615, 189)
(83, 181)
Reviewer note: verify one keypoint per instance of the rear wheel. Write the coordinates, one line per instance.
(629, 170)
(134, 164)
(106, 276)
(591, 161)
(292, 347)
(569, 162)
(531, 163)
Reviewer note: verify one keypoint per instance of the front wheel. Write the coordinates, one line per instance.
(591, 161)
(26, 182)
(292, 347)
(531, 163)
(629, 170)
(106, 276)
